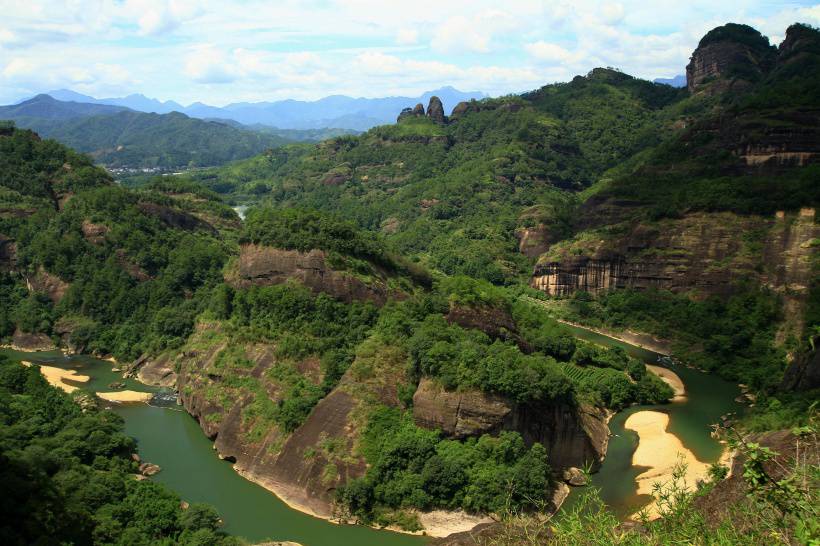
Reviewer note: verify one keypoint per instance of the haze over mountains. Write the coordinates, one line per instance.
(337, 111)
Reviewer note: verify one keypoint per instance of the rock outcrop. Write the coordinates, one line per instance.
(803, 373)
(533, 241)
(729, 57)
(176, 218)
(574, 436)
(303, 467)
(94, 233)
(705, 252)
(159, 371)
(261, 265)
(47, 283)
(495, 322)
(23, 341)
(415, 112)
(435, 110)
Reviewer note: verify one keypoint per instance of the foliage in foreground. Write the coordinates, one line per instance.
(68, 476)
(775, 510)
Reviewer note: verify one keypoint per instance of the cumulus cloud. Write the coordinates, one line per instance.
(407, 36)
(226, 51)
(545, 51)
(472, 34)
(208, 64)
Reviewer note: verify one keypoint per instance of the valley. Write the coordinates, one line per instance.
(583, 314)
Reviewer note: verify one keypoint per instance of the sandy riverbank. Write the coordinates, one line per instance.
(56, 376)
(639, 339)
(437, 523)
(125, 396)
(660, 451)
(670, 378)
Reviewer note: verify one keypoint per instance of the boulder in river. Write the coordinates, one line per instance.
(574, 476)
(149, 469)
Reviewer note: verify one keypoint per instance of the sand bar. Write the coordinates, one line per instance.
(670, 378)
(126, 396)
(55, 376)
(442, 523)
(660, 451)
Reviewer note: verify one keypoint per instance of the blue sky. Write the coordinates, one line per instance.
(232, 51)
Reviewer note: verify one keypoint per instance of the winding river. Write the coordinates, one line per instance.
(708, 397)
(172, 439)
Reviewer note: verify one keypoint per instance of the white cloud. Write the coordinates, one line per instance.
(471, 34)
(544, 51)
(207, 64)
(182, 49)
(407, 36)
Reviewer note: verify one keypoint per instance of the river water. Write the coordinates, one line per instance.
(171, 438)
(708, 397)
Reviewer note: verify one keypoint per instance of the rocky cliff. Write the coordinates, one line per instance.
(707, 253)
(573, 435)
(226, 387)
(729, 57)
(261, 265)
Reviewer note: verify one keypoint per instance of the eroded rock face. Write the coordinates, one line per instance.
(533, 241)
(803, 373)
(8, 254)
(705, 252)
(94, 233)
(50, 284)
(496, 323)
(573, 436)
(304, 467)
(22, 341)
(261, 266)
(159, 371)
(176, 218)
(435, 110)
(415, 112)
(723, 61)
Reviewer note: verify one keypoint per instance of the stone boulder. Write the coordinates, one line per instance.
(149, 469)
(435, 110)
(574, 476)
(176, 218)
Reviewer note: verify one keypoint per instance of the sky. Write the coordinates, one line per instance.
(234, 51)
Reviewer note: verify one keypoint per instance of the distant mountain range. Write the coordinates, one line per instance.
(119, 137)
(677, 81)
(337, 111)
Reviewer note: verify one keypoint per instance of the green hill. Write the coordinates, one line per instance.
(117, 137)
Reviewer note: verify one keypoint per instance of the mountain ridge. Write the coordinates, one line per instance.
(338, 111)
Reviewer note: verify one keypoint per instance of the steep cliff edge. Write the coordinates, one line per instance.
(230, 389)
(573, 435)
(729, 57)
(260, 265)
(704, 252)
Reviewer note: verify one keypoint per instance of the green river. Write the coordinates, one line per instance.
(172, 439)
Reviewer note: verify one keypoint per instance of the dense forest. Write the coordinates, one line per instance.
(69, 475)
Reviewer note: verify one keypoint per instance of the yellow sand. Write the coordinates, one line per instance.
(55, 377)
(660, 451)
(125, 396)
(443, 523)
(670, 378)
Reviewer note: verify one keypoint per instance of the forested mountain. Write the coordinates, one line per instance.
(380, 337)
(44, 107)
(117, 137)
